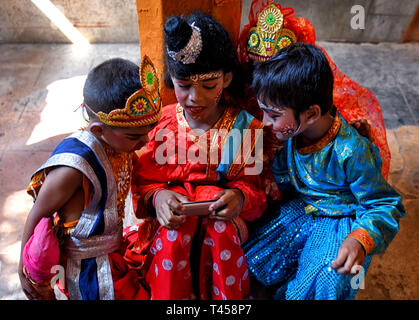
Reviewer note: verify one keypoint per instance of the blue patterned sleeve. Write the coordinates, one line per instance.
(380, 205)
(280, 171)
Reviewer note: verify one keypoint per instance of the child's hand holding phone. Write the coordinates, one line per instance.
(228, 205)
(167, 203)
(172, 208)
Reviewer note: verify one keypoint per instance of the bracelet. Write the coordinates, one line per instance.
(155, 194)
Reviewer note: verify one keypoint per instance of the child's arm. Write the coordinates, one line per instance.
(59, 186)
(377, 222)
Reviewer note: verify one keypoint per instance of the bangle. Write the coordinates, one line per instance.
(366, 241)
(155, 195)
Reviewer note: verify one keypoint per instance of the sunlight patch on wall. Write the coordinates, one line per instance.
(61, 22)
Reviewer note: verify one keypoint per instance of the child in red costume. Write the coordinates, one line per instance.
(191, 256)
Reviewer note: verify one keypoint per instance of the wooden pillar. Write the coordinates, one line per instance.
(412, 32)
(153, 13)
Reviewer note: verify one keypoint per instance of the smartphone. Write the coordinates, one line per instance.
(197, 208)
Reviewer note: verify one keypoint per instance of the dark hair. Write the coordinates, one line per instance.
(217, 52)
(297, 77)
(110, 84)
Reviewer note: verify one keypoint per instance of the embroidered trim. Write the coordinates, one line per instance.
(225, 121)
(364, 238)
(63, 229)
(240, 161)
(36, 183)
(325, 140)
(122, 168)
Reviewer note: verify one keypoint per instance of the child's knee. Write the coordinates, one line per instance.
(175, 241)
(332, 285)
(220, 232)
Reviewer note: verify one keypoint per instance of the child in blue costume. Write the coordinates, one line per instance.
(344, 210)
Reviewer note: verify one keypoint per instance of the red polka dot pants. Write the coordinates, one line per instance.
(222, 268)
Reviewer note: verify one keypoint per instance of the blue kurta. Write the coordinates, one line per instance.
(340, 189)
(344, 179)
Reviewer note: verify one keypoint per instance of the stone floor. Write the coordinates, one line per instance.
(41, 86)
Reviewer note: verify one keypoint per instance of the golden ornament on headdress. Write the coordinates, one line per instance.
(270, 20)
(191, 51)
(269, 36)
(143, 107)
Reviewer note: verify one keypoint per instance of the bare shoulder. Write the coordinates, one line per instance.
(65, 175)
(61, 185)
(62, 181)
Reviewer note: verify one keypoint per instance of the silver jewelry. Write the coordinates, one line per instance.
(191, 51)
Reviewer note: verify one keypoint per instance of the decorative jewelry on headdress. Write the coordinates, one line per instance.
(269, 36)
(191, 51)
(143, 107)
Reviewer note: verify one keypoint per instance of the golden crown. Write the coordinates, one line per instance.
(143, 107)
(269, 36)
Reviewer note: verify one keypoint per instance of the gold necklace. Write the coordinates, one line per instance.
(122, 167)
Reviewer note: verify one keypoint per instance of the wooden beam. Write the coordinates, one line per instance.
(153, 13)
(412, 32)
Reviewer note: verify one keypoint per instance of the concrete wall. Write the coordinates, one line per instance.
(109, 21)
(113, 21)
(385, 20)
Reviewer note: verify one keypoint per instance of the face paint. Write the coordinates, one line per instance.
(283, 121)
(200, 94)
(204, 76)
(289, 130)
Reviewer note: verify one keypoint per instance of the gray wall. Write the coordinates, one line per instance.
(385, 20)
(109, 21)
(115, 21)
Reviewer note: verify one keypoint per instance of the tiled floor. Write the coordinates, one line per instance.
(40, 86)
